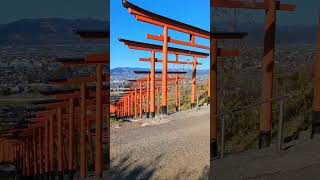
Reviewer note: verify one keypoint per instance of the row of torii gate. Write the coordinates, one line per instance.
(269, 6)
(60, 136)
(33, 148)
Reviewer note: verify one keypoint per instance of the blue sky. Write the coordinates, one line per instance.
(194, 12)
(124, 25)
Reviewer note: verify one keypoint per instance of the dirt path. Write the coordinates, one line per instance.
(178, 149)
(300, 161)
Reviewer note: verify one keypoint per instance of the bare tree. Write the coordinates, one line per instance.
(233, 17)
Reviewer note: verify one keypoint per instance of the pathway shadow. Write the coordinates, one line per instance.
(126, 169)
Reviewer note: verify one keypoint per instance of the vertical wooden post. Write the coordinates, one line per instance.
(51, 146)
(267, 75)
(128, 102)
(148, 96)
(40, 150)
(20, 158)
(194, 80)
(76, 146)
(83, 143)
(158, 93)
(98, 160)
(27, 158)
(127, 106)
(143, 103)
(135, 103)
(164, 69)
(132, 104)
(140, 100)
(59, 143)
(23, 157)
(71, 139)
(46, 149)
(108, 160)
(152, 85)
(177, 92)
(34, 152)
(213, 100)
(30, 162)
(1, 151)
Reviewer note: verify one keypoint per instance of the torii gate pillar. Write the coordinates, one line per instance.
(267, 74)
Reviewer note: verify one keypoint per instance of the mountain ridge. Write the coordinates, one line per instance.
(129, 71)
(46, 30)
(61, 30)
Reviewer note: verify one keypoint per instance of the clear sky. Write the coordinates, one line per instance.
(194, 12)
(124, 25)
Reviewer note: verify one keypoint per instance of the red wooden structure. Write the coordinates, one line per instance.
(270, 7)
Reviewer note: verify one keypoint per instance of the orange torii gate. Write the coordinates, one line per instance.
(141, 80)
(169, 50)
(31, 151)
(270, 7)
(98, 60)
(47, 117)
(148, 87)
(56, 109)
(82, 81)
(68, 96)
(99, 72)
(316, 89)
(140, 91)
(52, 138)
(215, 52)
(125, 105)
(24, 157)
(194, 64)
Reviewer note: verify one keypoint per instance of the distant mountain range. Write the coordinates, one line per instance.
(59, 31)
(46, 30)
(284, 34)
(128, 71)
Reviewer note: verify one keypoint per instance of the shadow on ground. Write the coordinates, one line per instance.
(126, 169)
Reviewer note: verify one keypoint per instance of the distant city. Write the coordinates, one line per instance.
(26, 67)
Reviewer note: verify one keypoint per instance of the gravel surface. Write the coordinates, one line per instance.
(171, 147)
(299, 161)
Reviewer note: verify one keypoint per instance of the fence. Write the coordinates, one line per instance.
(279, 99)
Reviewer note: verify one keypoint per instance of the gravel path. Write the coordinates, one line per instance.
(300, 161)
(176, 149)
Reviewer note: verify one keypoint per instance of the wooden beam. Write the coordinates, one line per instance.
(152, 18)
(93, 34)
(171, 40)
(149, 47)
(77, 80)
(170, 62)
